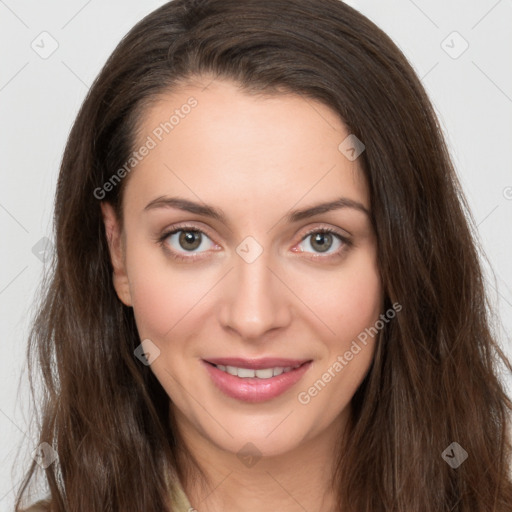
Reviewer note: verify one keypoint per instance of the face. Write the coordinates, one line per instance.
(235, 278)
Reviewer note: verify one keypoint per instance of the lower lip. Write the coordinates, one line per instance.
(254, 389)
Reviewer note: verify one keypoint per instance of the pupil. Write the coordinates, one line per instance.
(190, 237)
(320, 238)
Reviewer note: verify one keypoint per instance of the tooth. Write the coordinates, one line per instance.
(231, 370)
(266, 373)
(245, 372)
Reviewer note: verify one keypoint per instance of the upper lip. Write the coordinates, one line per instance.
(256, 364)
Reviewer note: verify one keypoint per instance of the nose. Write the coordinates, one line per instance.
(256, 299)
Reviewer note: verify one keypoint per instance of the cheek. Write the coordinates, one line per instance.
(359, 307)
(164, 299)
(162, 310)
(351, 300)
(352, 312)
(360, 301)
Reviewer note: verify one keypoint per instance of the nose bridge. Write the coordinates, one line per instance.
(257, 300)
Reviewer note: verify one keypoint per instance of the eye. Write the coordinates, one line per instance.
(321, 240)
(185, 239)
(188, 243)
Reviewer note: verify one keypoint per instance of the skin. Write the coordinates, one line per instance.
(256, 158)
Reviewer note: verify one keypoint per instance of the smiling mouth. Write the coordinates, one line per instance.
(262, 373)
(267, 379)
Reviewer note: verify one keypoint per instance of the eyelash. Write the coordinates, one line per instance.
(164, 236)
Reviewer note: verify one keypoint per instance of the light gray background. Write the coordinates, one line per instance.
(39, 98)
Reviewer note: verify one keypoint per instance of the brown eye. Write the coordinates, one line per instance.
(322, 240)
(189, 240)
(184, 239)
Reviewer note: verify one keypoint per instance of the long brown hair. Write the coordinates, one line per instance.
(434, 378)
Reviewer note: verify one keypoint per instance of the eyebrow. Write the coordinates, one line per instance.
(217, 214)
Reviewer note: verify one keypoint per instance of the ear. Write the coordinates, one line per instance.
(115, 245)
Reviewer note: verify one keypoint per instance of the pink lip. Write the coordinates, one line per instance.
(254, 389)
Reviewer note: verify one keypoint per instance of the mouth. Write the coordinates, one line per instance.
(255, 380)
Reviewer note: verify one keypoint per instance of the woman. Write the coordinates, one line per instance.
(266, 290)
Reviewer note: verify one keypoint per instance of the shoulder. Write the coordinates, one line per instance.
(40, 506)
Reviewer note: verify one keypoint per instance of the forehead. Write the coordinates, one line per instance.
(219, 143)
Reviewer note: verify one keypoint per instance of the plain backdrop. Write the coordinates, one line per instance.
(52, 51)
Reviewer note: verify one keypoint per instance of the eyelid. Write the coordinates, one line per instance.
(190, 226)
(326, 227)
